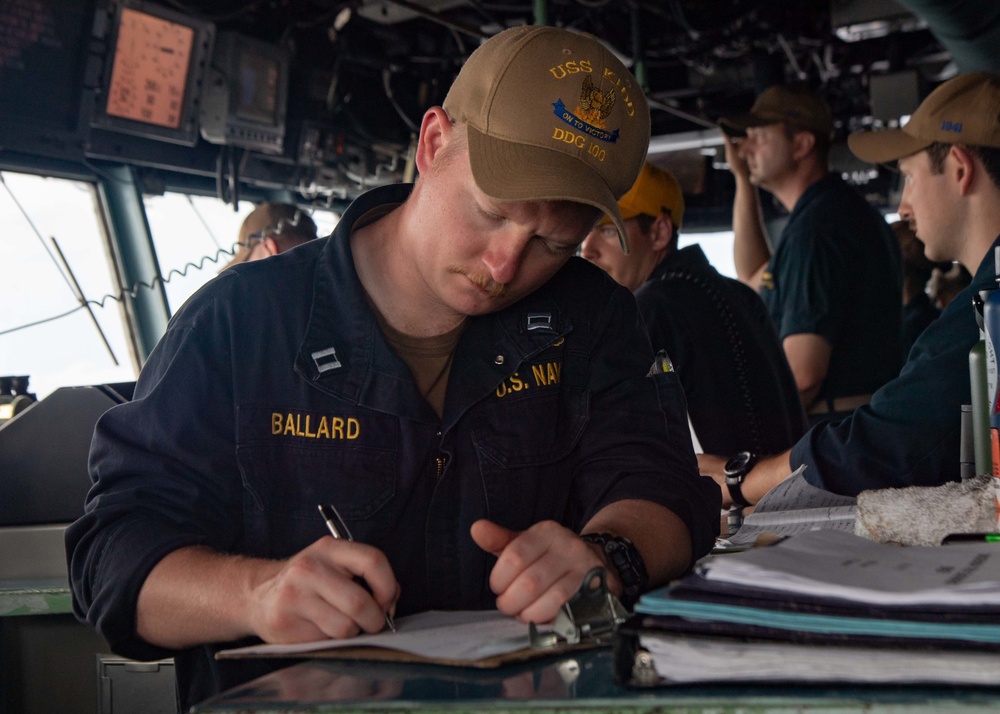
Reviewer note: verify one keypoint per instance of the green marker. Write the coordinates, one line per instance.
(971, 538)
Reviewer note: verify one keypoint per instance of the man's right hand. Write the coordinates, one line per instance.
(331, 589)
(737, 164)
(316, 594)
(751, 245)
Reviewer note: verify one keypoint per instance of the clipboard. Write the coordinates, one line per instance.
(479, 639)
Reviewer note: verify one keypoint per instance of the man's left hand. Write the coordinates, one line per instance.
(765, 475)
(538, 569)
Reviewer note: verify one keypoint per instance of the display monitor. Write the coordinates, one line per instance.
(259, 76)
(155, 73)
(246, 94)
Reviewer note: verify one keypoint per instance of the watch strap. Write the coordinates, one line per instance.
(736, 474)
(735, 487)
(628, 563)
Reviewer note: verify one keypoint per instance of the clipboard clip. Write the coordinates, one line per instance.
(591, 615)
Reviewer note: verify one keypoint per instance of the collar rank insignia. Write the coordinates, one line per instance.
(325, 360)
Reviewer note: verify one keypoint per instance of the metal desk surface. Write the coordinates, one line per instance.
(33, 576)
(582, 682)
(49, 596)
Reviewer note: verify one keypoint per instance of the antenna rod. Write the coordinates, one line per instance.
(83, 300)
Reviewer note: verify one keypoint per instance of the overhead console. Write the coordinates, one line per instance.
(170, 77)
(143, 83)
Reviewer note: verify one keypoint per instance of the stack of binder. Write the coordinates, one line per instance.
(822, 607)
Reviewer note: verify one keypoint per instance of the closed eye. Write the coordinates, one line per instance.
(493, 218)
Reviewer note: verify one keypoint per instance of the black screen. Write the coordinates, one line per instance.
(42, 56)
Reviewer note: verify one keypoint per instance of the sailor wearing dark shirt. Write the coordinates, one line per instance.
(740, 393)
(833, 279)
(471, 398)
(908, 435)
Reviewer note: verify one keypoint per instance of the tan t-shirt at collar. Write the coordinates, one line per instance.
(429, 359)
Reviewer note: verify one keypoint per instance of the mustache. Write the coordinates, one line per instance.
(493, 288)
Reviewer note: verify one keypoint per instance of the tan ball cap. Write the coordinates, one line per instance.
(551, 115)
(963, 110)
(798, 107)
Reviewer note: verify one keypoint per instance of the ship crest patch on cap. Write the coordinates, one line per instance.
(595, 105)
(588, 116)
(592, 111)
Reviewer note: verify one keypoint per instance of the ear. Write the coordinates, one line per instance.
(270, 246)
(435, 133)
(802, 144)
(962, 168)
(661, 233)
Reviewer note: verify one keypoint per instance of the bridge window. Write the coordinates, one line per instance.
(195, 237)
(46, 332)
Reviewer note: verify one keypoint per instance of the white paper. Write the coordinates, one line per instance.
(841, 565)
(681, 659)
(461, 635)
(796, 506)
(797, 493)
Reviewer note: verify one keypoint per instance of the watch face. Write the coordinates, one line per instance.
(738, 464)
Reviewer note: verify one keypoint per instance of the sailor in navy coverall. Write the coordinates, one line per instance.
(276, 389)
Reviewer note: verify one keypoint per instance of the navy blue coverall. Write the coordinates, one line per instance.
(274, 390)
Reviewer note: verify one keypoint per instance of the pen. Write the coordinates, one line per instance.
(971, 538)
(328, 512)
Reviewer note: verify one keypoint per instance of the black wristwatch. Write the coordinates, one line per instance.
(627, 561)
(736, 471)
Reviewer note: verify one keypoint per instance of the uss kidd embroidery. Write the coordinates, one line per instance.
(588, 118)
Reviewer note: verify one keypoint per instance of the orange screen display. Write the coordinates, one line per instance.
(150, 69)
